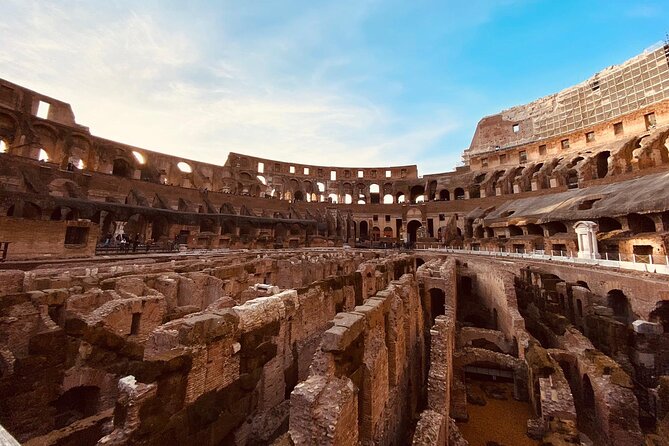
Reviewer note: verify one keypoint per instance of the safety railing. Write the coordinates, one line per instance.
(636, 262)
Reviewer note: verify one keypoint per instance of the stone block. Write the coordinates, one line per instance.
(645, 327)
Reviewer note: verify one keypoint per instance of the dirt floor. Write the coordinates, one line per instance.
(503, 421)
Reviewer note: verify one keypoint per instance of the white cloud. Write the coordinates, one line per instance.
(140, 79)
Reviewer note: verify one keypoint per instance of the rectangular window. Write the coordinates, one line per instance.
(403, 173)
(618, 128)
(522, 156)
(502, 158)
(387, 217)
(388, 173)
(565, 144)
(516, 128)
(590, 137)
(277, 167)
(484, 162)
(75, 235)
(651, 123)
(320, 173)
(542, 149)
(306, 171)
(373, 173)
(375, 218)
(43, 109)
(442, 217)
(347, 174)
(292, 169)
(361, 174)
(333, 175)
(261, 167)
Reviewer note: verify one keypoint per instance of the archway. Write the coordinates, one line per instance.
(444, 195)
(415, 192)
(76, 404)
(121, 168)
(412, 228)
(364, 230)
(376, 234)
(620, 304)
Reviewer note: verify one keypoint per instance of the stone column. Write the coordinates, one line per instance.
(586, 231)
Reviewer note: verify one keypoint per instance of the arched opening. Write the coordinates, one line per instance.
(620, 304)
(478, 231)
(459, 193)
(555, 227)
(348, 199)
(333, 198)
(444, 195)
(515, 230)
(121, 168)
(299, 196)
(533, 229)
(374, 195)
(400, 197)
(661, 314)
(42, 155)
(62, 213)
(572, 179)
(607, 224)
(364, 230)
(76, 404)
(388, 232)
(412, 228)
(376, 234)
(437, 303)
(415, 192)
(186, 168)
(3, 146)
(419, 262)
(640, 223)
(475, 191)
(388, 199)
(602, 163)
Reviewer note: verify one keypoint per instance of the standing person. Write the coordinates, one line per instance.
(135, 242)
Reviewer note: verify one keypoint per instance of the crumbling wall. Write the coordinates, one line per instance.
(377, 351)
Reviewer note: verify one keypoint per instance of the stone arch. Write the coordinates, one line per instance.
(640, 223)
(415, 192)
(620, 304)
(363, 234)
(444, 195)
(459, 193)
(412, 228)
(64, 213)
(122, 168)
(76, 404)
(607, 224)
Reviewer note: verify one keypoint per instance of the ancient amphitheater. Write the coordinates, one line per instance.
(521, 299)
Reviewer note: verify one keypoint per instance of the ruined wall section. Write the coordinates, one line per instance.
(372, 358)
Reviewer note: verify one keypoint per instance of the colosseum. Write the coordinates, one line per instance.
(522, 299)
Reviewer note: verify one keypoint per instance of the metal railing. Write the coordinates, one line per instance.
(636, 262)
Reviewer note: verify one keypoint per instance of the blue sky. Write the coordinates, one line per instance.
(345, 83)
